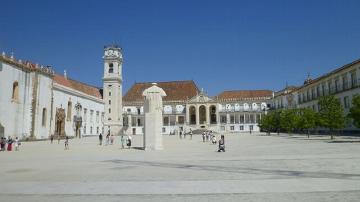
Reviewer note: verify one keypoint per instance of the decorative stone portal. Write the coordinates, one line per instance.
(60, 122)
(2, 131)
(153, 108)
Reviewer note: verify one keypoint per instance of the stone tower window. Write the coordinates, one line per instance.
(111, 68)
(15, 91)
(43, 122)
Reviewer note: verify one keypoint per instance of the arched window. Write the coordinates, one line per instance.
(69, 111)
(43, 122)
(111, 68)
(15, 91)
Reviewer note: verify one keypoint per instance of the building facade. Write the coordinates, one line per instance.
(186, 107)
(35, 102)
(343, 83)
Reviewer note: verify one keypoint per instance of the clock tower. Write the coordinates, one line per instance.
(112, 89)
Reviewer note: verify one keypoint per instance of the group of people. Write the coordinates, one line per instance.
(183, 133)
(7, 144)
(110, 140)
(208, 135)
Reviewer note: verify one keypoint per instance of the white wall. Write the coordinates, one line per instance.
(61, 97)
(15, 116)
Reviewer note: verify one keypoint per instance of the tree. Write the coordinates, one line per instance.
(289, 119)
(270, 122)
(331, 113)
(307, 119)
(355, 111)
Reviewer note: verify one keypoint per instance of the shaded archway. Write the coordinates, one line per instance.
(192, 113)
(202, 114)
(212, 112)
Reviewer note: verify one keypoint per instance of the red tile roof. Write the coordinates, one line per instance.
(175, 91)
(244, 94)
(76, 85)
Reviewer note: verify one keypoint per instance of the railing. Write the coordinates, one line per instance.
(345, 86)
(243, 110)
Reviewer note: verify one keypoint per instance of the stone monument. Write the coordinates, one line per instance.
(153, 117)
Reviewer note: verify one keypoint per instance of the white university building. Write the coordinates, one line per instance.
(35, 102)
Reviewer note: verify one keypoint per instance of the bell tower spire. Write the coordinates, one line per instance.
(112, 89)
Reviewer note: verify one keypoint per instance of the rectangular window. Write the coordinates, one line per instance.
(323, 89)
(44, 117)
(181, 119)
(85, 114)
(251, 127)
(97, 116)
(133, 121)
(232, 119)
(313, 93)
(241, 127)
(329, 87)
(337, 85)
(318, 91)
(237, 118)
(345, 82)
(91, 115)
(346, 102)
(102, 116)
(353, 79)
(247, 118)
(109, 93)
(91, 130)
(109, 102)
(163, 130)
(223, 119)
(172, 120)
(166, 121)
(252, 118)
(97, 130)
(232, 127)
(257, 118)
(242, 118)
(84, 130)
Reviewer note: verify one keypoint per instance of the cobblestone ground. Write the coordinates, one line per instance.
(254, 168)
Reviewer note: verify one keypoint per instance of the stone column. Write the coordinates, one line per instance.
(207, 111)
(197, 112)
(187, 121)
(153, 108)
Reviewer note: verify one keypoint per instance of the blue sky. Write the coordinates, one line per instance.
(221, 45)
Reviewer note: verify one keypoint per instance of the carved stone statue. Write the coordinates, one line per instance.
(153, 117)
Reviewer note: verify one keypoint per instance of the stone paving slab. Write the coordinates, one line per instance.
(254, 168)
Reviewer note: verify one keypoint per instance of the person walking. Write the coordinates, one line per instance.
(122, 142)
(16, 144)
(2, 144)
(222, 144)
(128, 143)
(66, 143)
(51, 138)
(111, 139)
(203, 136)
(9, 142)
(191, 133)
(100, 139)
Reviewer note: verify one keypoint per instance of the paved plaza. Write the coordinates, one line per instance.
(254, 168)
